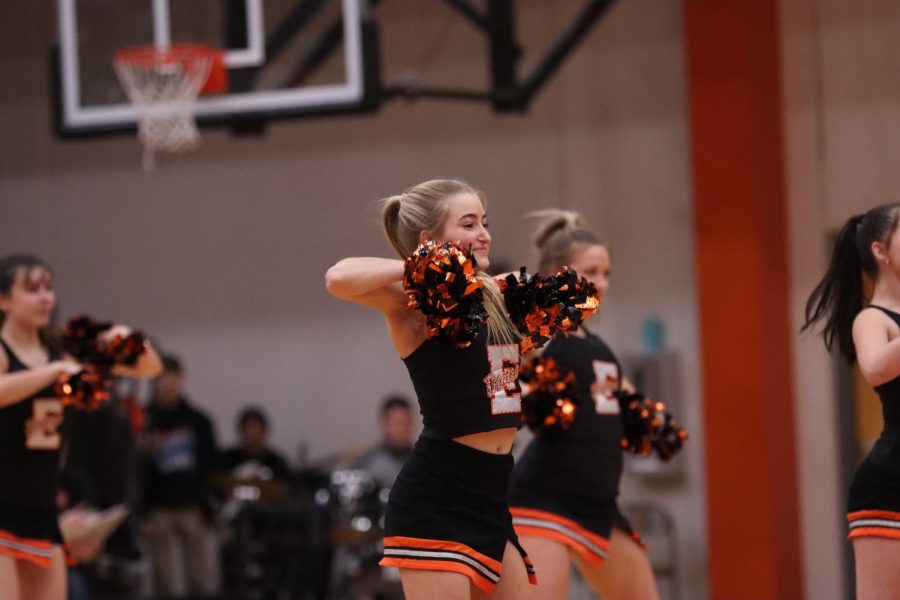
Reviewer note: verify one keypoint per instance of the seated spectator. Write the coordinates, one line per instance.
(386, 458)
(252, 458)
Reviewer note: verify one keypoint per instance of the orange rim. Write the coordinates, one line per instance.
(145, 57)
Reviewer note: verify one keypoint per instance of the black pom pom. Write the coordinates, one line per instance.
(648, 426)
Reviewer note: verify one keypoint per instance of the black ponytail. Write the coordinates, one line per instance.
(839, 297)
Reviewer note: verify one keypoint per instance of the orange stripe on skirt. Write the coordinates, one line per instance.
(443, 545)
(479, 580)
(34, 551)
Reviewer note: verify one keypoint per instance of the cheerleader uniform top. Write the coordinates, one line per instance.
(889, 392)
(587, 457)
(30, 440)
(466, 390)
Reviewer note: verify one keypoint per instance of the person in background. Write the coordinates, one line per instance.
(386, 459)
(179, 451)
(252, 458)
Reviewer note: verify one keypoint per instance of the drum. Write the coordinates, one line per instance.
(356, 506)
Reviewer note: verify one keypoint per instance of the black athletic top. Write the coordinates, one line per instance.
(586, 458)
(889, 392)
(30, 442)
(468, 390)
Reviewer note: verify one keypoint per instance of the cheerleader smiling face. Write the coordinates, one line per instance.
(30, 298)
(467, 223)
(592, 262)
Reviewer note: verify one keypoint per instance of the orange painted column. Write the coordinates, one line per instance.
(740, 216)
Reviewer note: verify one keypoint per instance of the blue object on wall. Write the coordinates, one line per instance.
(654, 333)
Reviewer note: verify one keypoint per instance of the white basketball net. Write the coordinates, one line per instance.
(162, 85)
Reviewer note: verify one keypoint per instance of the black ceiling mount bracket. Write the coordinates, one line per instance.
(508, 92)
(565, 44)
(470, 12)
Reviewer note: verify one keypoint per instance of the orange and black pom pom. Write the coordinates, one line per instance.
(542, 306)
(124, 350)
(552, 401)
(82, 338)
(85, 390)
(441, 281)
(648, 426)
(670, 439)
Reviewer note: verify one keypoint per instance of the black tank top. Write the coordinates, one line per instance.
(889, 392)
(31, 436)
(468, 390)
(587, 457)
(598, 372)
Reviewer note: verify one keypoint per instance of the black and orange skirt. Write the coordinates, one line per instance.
(873, 507)
(29, 534)
(448, 512)
(581, 522)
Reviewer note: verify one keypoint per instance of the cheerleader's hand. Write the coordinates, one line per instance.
(124, 350)
(86, 550)
(67, 367)
(116, 331)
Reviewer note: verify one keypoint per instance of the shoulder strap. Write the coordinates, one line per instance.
(12, 361)
(10, 356)
(894, 316)
(16, 364)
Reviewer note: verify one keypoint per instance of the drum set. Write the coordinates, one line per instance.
(315, 537)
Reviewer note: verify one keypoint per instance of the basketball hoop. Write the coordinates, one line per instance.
(162, 83)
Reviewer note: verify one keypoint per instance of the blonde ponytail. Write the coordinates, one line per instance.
(390, 217)
(551, 220)
(501, 329)
(555, 235)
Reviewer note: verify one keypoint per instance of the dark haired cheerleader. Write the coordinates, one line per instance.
(868, 331)
(563, 489)
(32, 432)
(448, 526)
